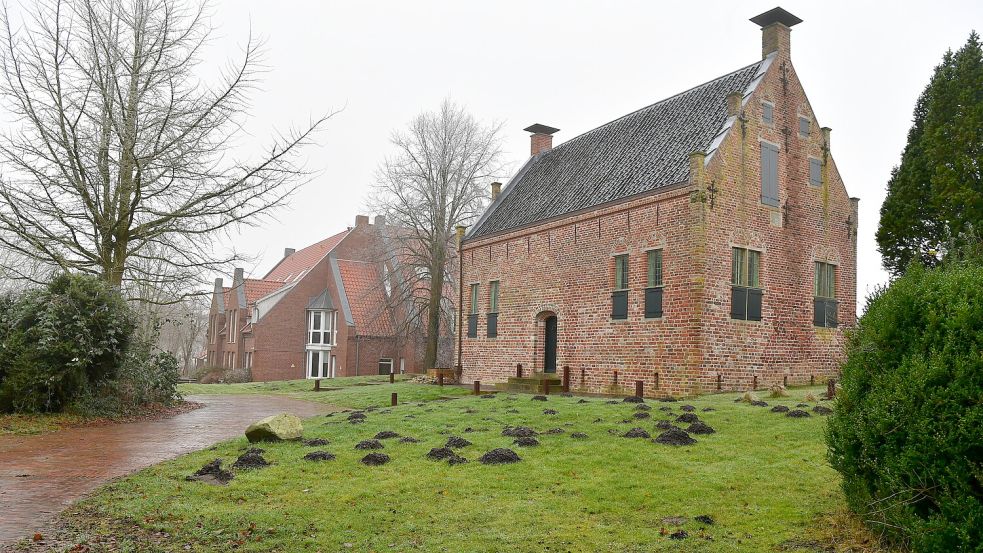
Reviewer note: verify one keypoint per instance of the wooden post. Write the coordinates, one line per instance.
(831, 388)
(546, 387)
(440, 379)
(392, 377)
(477, 387)
(720, 382)
(754, 383)
(566, 378)
(639, 388)
(393, 399)
(812, 380)
(656, 381)
(785, 381)
(518, 370)
(615, 378)
(317, 384)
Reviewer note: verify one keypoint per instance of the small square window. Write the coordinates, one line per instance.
(767, 113)
(804, 127)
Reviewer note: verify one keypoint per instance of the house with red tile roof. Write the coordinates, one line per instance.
(323, 311)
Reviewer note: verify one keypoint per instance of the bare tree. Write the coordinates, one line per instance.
(120, 162)
(436, 179)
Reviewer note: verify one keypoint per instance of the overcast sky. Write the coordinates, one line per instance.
(571, 65)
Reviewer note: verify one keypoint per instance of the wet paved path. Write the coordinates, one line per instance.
(41, 475)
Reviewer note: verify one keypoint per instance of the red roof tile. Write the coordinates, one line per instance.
(297, 264)
(256, 288)
(363, 286)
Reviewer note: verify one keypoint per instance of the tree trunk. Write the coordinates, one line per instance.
(434, 306)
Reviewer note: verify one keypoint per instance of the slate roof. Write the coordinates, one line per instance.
(637, 153)
(296, 265)
(366, 296)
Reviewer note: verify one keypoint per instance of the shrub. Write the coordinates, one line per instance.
(907, 433)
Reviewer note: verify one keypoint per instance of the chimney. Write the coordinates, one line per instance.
(776, 26)
(734, 101)
(237, 277)
(361, 220)
(219, 284)
(697, 160)
(287, 252)
(460, 235)
(826, 131)
(380, 220)
(541, 139)
(496, 188)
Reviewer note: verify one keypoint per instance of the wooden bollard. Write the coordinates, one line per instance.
(546, 387)
(639, 388)
(831, 388)
(566, 378)
(754, 383)
(720, 382)
(392, 377)
(317, 384)
(440, 379)
(785, 381)
(812, 380)
(656, 381)
(392, 400)
(615, 378)
(518, 370)
(477, 387)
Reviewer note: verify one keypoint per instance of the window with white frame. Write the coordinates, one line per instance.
(321, 327)
(233, 326)
(319, 363)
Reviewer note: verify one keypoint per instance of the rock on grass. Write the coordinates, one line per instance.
(375, 459)
(319, 456)
(499, 456)
(675, 437)
(275, 428)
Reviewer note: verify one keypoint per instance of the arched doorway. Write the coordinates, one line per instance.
(549, 344)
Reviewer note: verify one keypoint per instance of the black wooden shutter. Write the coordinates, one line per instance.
(753, 304)
(738, 302)
(473, 326)
(830, 306)
(769, 174)
(492, 325)
(819, 312)
(619, 304)
(653, 303)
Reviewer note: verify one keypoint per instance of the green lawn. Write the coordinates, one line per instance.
(42, 423)
(762, 477)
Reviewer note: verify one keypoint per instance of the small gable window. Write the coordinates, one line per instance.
(824, 303)
(815, 172)
(619, 298)
(769, 174)
(745, 295)
(767, 113)
(653, 290)
(804, 127)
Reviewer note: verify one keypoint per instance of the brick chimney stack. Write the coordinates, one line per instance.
(496, 190)
(776, 28)
(380, 220)
(734, 101)
(287, 252)
(361, 220)
(541, 139)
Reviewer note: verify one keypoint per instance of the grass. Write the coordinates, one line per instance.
(27, 425)
(762, 477)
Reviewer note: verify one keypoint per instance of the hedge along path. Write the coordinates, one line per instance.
(41, 475)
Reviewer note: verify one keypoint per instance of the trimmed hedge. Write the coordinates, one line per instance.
(907, 432)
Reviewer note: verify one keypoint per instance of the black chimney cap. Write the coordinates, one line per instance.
(776, 15)
(539, 128)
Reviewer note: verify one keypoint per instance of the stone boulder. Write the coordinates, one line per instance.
(275, 428)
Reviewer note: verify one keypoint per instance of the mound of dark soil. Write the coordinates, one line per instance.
(251, 459)
(668, 399)
(408, 440)
(641, 415)
(704, 519)
(369, 444)
(212, 473)
(455, 442)
(779, 409)
(582, 401)
(700, 428)
(468, 430)
(708, 409)
(759, 403)
(526, 442)
(440, 453)
(357, 415)
(375, 459)
(500, 456)
(578, 436)
(666, 425)
(666, 409)
(316, 442)
(319, 456)
(469, 411)
(386, 434)
(802, 405)
(456, 460)
(643, 407)
(675, 437)
(688, 408)
(797, 414)
(612, 402)
(820, 410)
(555, 431)
(511, 410)
(633, 399)
(539, 398)
(518, 431)
(549, 412)
(637, 433)
(679, 535)
(687, 418)
(487, 396)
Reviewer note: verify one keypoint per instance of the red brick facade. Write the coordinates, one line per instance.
(565, 267)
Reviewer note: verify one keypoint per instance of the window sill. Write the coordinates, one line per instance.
(747, 321)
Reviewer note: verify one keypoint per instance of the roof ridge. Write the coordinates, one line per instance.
(653, 104)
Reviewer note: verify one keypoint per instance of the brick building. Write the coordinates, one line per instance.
(321, 312)
(702, 241)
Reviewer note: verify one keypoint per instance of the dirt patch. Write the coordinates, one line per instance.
(357, 415)
(637, 433)
(633, 399)
(375, 459)
(666, 425)
(555, 431)
(440, 453)
(687, 418)
(579, 436)
(704, 519)
(212, 473)
(251, 459)
(539, 398)
(700, 428)
(643, 407)
(500, 456)
(641, 415)
(456, 442)
(679, 535)
(518, 432)
(408, 440)
(549, 412)
(674, 521)
(820, 410)
(797, 414)
(688, 408)
(675, 437)
(386, 434)
(369, 444)
(526, 442)
(316, 442)
(779, 409)
(759, 403)
(319, 456)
